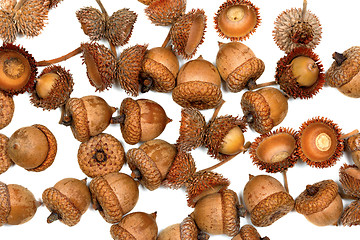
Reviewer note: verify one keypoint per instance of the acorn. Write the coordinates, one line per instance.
(141, 120)
(264, 108)
(53, 88)
(198, 85)
(248, 232)
(151, 162)
(295, 28)
(351, 214)
(17, 69)
(343, 72)
(187, 33)
(7, 108)
(275, 151)
(218, 213)
(33, 148)
(67, 201)
(320, 203)
(137, 226)
(5, 161)
(350, 180)
(300, 73)
(266, 200)
(165, 12)
(159, 70)
(18, 204)
(238, 65)
(114, 195)
(87, 116)
(353, 144)
(100, 155)
(237, 19)
(320, 143)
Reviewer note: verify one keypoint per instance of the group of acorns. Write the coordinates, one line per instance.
(195, 86)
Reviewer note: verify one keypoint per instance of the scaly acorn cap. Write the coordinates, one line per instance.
(287, 81)
(129, 66)
(92, 22)
(4, 203)
(216, 131)
(79, 127)
(350, 183)
(5, 161)
(60, 91)
(8, 29)
(183, 40)
(6, 110)
(188, 229)
(351, 214)
(131, 127)
(275, 151)
(248, 232)
(100, 65)
(165, 12)
(100, 155)
(119, 26)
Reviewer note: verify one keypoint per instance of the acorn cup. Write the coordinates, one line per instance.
(237, 19)
(320, 203)
(7, 109)
(165, 12)
(353, 145)
(18, 204)
(248, 232)
(351, 214)
(5, 161)
(349, 176)
(114, 195)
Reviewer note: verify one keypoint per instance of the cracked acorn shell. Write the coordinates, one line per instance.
(5, 161)
(264, 108)
(320, 203)
(7, 108)
(350, 180)
(198, 85)
(114, 195)
(135, 226)
(344, 72)
(33, 148)
(351, 214)
(165, 12)
(151, 162)
(186, 230)
(141, 120)
(266, 200)
(353, 144)
(100, 155)
(320, 143)
(248, 232)
(67, 201)
(237, 19)
(238, 65)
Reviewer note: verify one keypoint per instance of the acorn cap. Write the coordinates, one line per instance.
(5, 161)
(231, 212)
(248, 232)
(187, 33)
(4, 203)
(60, 91)
(350, 180)
(119, 26)
(92, 22)
(9, 31)
(128, 68)
(100, 65)
(320, 144)
(100, 155)
(237, 19)
(275, 151)
(80, 127)
(188, 229)
(316, 197)
(351, 214)
(287, 81)
(216, 131)
(165, 12)
(131, 127)
(6, 110)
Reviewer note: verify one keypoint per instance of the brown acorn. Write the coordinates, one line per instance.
(295, 28)
(350, 180)
(165, 12)
(67, 201)
(187, 33)
(7, 108)
(87, 116)
(351, 214)
(343, 73)
(159, 70)
(136, 226)
(33, 148)
(53, 88)
(17, 204)
(100, 155)
(114, 195)
(238, 65)
(237, 19)
(275, 151)
(151, 162)
(320, 143)
(264, 109)
(300, 73)
(320, 203)
(5, 161)
(353, 144)
(218, 213)
(141, 120)
(17, 70)
(198, 85)
(248, 232)
(266, 200)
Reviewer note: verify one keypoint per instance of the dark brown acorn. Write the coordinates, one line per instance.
(7, 109)
(165, 12)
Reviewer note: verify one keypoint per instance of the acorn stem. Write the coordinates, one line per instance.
(339, 58)
(285, 181)
(136, 174)
(241, 210)
(103, 10)
(265, 238)
(217, 110)
(71, 54)
(220, 163)
(203, 236)
(167, 40)
(347, 135)
(19, 5)
(249, 118)
(312, 190)
(146, 84)
(304, 10)
(118, 119)
(252, 85)
(65, 119)
(53, 217)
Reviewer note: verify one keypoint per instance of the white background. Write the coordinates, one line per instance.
(63, 34)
